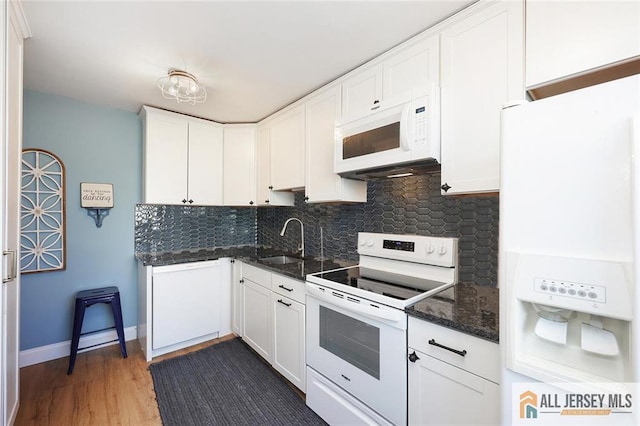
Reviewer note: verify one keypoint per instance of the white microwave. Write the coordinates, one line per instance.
(391, 141)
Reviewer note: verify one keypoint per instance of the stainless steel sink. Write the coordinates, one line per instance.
(281, 260)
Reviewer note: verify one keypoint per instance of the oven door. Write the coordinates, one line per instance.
(361, 347)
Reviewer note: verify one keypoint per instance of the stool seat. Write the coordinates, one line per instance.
(86, 299)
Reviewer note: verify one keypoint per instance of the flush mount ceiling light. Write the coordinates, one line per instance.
(182, 86)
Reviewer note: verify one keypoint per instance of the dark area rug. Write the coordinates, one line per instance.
(226, 384)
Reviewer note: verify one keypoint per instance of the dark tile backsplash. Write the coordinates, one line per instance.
(160, 228)
(411, 205)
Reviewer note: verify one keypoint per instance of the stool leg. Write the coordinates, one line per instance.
(117, 318)
(75, 337)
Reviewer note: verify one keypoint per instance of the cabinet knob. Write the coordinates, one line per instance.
(266, 201)
(190, 201)
(376, 104)
(270, 186)
(241, 281)
(250, 203)
(445, 187)
(306, 199)
(413, 357)
(184, 201)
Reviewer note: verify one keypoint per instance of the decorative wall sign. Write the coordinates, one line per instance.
(96, 195)
(42, 212)
(97, 198)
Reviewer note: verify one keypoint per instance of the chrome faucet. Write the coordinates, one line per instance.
(284, 228)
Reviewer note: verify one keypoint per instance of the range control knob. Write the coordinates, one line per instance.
(443, 249)
(369, 243)
(429, 248)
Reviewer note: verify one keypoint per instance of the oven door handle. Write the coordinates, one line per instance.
(354, 304)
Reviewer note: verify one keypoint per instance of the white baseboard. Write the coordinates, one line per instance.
(62, 349)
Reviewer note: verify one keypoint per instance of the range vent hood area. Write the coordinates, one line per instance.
(421, 167)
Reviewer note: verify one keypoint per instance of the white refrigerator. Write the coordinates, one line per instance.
(568, 262)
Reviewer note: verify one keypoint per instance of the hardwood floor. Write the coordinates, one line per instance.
(104, 389)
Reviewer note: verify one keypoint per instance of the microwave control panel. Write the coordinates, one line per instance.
(420, 120)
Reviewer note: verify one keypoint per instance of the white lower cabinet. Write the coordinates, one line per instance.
(447, 388)
(257, 318)
(181, 305)
(273, 320)
(237, 297)
(288, 339)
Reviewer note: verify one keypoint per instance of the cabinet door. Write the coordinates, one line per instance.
(289, 338)
(265, 194)
(482, 69)
(239, 166)
(287, 149)
(436, 390)
(205, 163)
(362, 92)
(257, 318)
(11, 143)
(323, 185)
(237, 297)
(411, 70)
(165, 158)
(186, 303)
(568, 37)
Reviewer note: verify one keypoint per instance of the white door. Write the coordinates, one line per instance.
(362, 92)
(289, 336)
(11, 151)
(288, 149)
(186, 302)
(240, 166)
(205, 163)
(482, 69)
(441, 394)
(257, 318)
(165, 158)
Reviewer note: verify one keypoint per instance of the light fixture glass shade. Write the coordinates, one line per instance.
(182, 86)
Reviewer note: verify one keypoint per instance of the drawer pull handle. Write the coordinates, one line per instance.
(284, 303)
(455, 351)
(283, 287)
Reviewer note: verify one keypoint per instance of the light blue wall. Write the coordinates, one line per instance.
(96, 144)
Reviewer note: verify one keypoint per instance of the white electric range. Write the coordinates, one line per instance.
(356, 325)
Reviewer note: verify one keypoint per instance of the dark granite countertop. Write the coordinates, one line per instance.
(248, 254)
(474, 310)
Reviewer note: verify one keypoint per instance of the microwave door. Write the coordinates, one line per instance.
(371, 141)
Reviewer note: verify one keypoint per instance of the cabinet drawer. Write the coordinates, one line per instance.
(289, 287)
(257, 275)
(482, 357)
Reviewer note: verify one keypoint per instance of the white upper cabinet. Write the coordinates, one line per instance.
(362, 92)
(205, 163)
(405, 72)
(410, 70)
(182, 159)
(569, 37)
(287, 145)
(266, 195)
(482, 69)
(239, 165)
(322, 184)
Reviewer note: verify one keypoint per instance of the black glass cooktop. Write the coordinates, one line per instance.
(387, 284)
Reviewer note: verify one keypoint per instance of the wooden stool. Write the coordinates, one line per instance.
(85, 299)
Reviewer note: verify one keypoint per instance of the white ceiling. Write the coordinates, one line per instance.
(253, 57)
